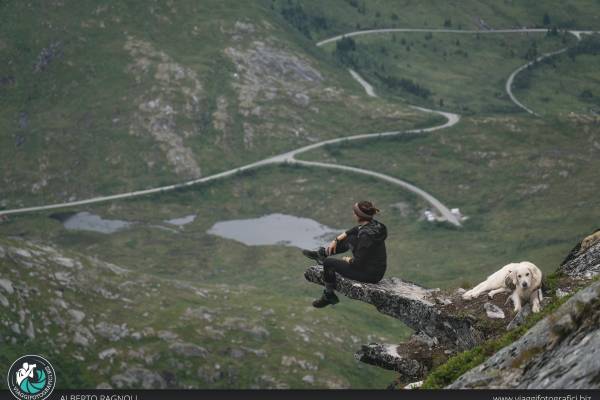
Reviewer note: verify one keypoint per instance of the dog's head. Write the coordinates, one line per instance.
(522, 276)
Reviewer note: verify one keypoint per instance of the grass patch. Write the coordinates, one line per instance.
(318, 20)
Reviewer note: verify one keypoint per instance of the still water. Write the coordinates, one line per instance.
(282, 229)
(85, 221)
(188, 219)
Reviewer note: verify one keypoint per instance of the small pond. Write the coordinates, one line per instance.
(85, 221)
(272, 229)
(188, 219)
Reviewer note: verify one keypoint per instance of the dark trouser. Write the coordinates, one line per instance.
(360, 273)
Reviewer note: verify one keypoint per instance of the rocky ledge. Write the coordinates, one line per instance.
(420, 308)
(584, 260)
(445, 324)
(561, 351)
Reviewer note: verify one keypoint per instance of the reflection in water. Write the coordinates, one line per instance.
(188, 219)
(85, 221)
(286, 230)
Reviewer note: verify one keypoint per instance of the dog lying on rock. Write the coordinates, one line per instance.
(524, 279)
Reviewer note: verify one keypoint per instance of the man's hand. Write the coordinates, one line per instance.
(347, 259)
(331, 248)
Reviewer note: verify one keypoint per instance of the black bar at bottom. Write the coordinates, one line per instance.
(562, 394)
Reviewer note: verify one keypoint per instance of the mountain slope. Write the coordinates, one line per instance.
(106, 99)
(104, 325)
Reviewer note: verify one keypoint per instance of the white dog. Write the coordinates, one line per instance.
(524, 279)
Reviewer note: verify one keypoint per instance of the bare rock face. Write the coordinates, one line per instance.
(561, 351)
(583, 263)
(421, 309)
(174, 98)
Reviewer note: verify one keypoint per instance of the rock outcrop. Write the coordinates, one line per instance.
(420, 308)
(389, 356)
(561, 351)
(442, 325)
(583, 263)
(445, 324)
(412, 359)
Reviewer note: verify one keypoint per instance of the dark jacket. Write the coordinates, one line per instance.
(368, 250)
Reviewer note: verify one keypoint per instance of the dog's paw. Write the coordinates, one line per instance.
(535, 308)
(470, 296)
(517, 309)
(491, 295)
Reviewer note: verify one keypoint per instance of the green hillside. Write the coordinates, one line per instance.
(459, 72)
(103, 99)
(318, 20)
(569, 83)
(130, 329)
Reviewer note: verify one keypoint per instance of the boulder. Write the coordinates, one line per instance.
(7, 286)
(520, 318)
(493, 311)
(400, 358)
(4, 301)
(138, 378)
(583, 264)
(188, 350)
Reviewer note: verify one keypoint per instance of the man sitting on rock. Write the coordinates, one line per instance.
(368, 261)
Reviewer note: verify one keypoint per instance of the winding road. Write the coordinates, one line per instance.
(509, 81)
(289, 157)
(409, 30)
(511, 77)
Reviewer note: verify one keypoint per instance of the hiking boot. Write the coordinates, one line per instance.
(326, 299)
(318, 255)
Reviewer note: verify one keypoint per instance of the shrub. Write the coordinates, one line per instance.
(586, 94)
(404, 84)
(294, 14)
